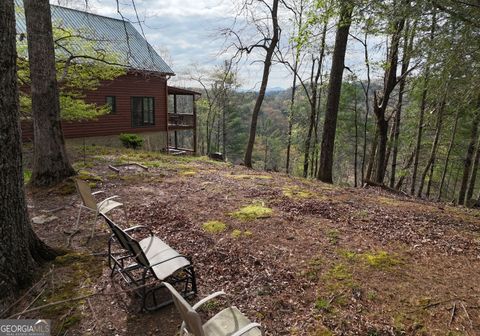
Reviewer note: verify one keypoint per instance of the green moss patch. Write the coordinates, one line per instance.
(188, 173)
(381, 259)
(251, 212)
(73, 276)
(238, 233)
(214, 226)
(296, 192)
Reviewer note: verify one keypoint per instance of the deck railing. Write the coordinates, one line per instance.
(181, 120)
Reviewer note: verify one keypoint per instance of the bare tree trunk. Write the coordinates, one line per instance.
(407, 48)
(366, 89)
(313, 111)
(373, 153)
(261, 94)
(399, 184)
(473, 176)
(381, 102)
(292, 98)
(423, 103)
(449, 152)
(20, 249)
(355, 161)
(433, 152)
(469, 156)
(430, 179)
(290, 117)
(50, 162)
(334, 91)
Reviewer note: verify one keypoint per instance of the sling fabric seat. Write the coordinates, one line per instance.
(146, 263)
(167, 259)
(228, 322)
(89, 203)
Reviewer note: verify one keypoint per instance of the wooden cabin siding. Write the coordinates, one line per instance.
(123, 88)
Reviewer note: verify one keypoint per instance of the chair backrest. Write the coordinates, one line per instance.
(127, 242)
(122, 237)
(189, 316)
(86, 194)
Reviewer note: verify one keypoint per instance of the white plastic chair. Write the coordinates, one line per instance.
(89, 203)
(228, 322)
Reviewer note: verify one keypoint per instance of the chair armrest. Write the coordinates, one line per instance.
(107, 199)
(247, 328)
(98, 192)
(138, 228)
(206, 299)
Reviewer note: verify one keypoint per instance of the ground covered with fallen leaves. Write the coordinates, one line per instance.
(298, 256)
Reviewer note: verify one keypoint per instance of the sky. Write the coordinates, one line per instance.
(187, 34)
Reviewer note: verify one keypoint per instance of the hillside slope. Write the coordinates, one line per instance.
(301, 257)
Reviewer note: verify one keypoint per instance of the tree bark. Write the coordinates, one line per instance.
(50, 162)
(20, 249)
(469, 156)
(261, 94)
(449, 152)
(334, 91)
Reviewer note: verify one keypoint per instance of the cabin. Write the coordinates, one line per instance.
(140, 101)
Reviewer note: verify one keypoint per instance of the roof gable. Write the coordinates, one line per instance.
(112, 35)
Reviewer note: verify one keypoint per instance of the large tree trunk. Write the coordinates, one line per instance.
(449, 152)
(50, 161)
(433, 152)
(20, 249)
(469, 156)
(261, 94)
(334, 91)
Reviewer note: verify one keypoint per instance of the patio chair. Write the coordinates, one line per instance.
(147, 263)
(89, 203)
(228, 322)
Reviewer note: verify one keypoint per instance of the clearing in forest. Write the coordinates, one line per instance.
(298, 256)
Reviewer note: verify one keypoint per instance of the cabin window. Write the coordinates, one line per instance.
(142, 111)
(111, 102)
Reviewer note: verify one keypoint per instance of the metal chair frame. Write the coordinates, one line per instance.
(139, 270)
(89, 203)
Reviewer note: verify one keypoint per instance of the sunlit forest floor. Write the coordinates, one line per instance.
(298, 256)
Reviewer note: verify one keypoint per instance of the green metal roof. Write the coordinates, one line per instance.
(109, 34)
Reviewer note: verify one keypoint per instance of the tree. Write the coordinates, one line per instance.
(268, 44)
(21, 251)
(81, 62)
(333, 95)
(50, 161)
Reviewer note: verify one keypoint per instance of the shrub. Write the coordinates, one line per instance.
(131, 140)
